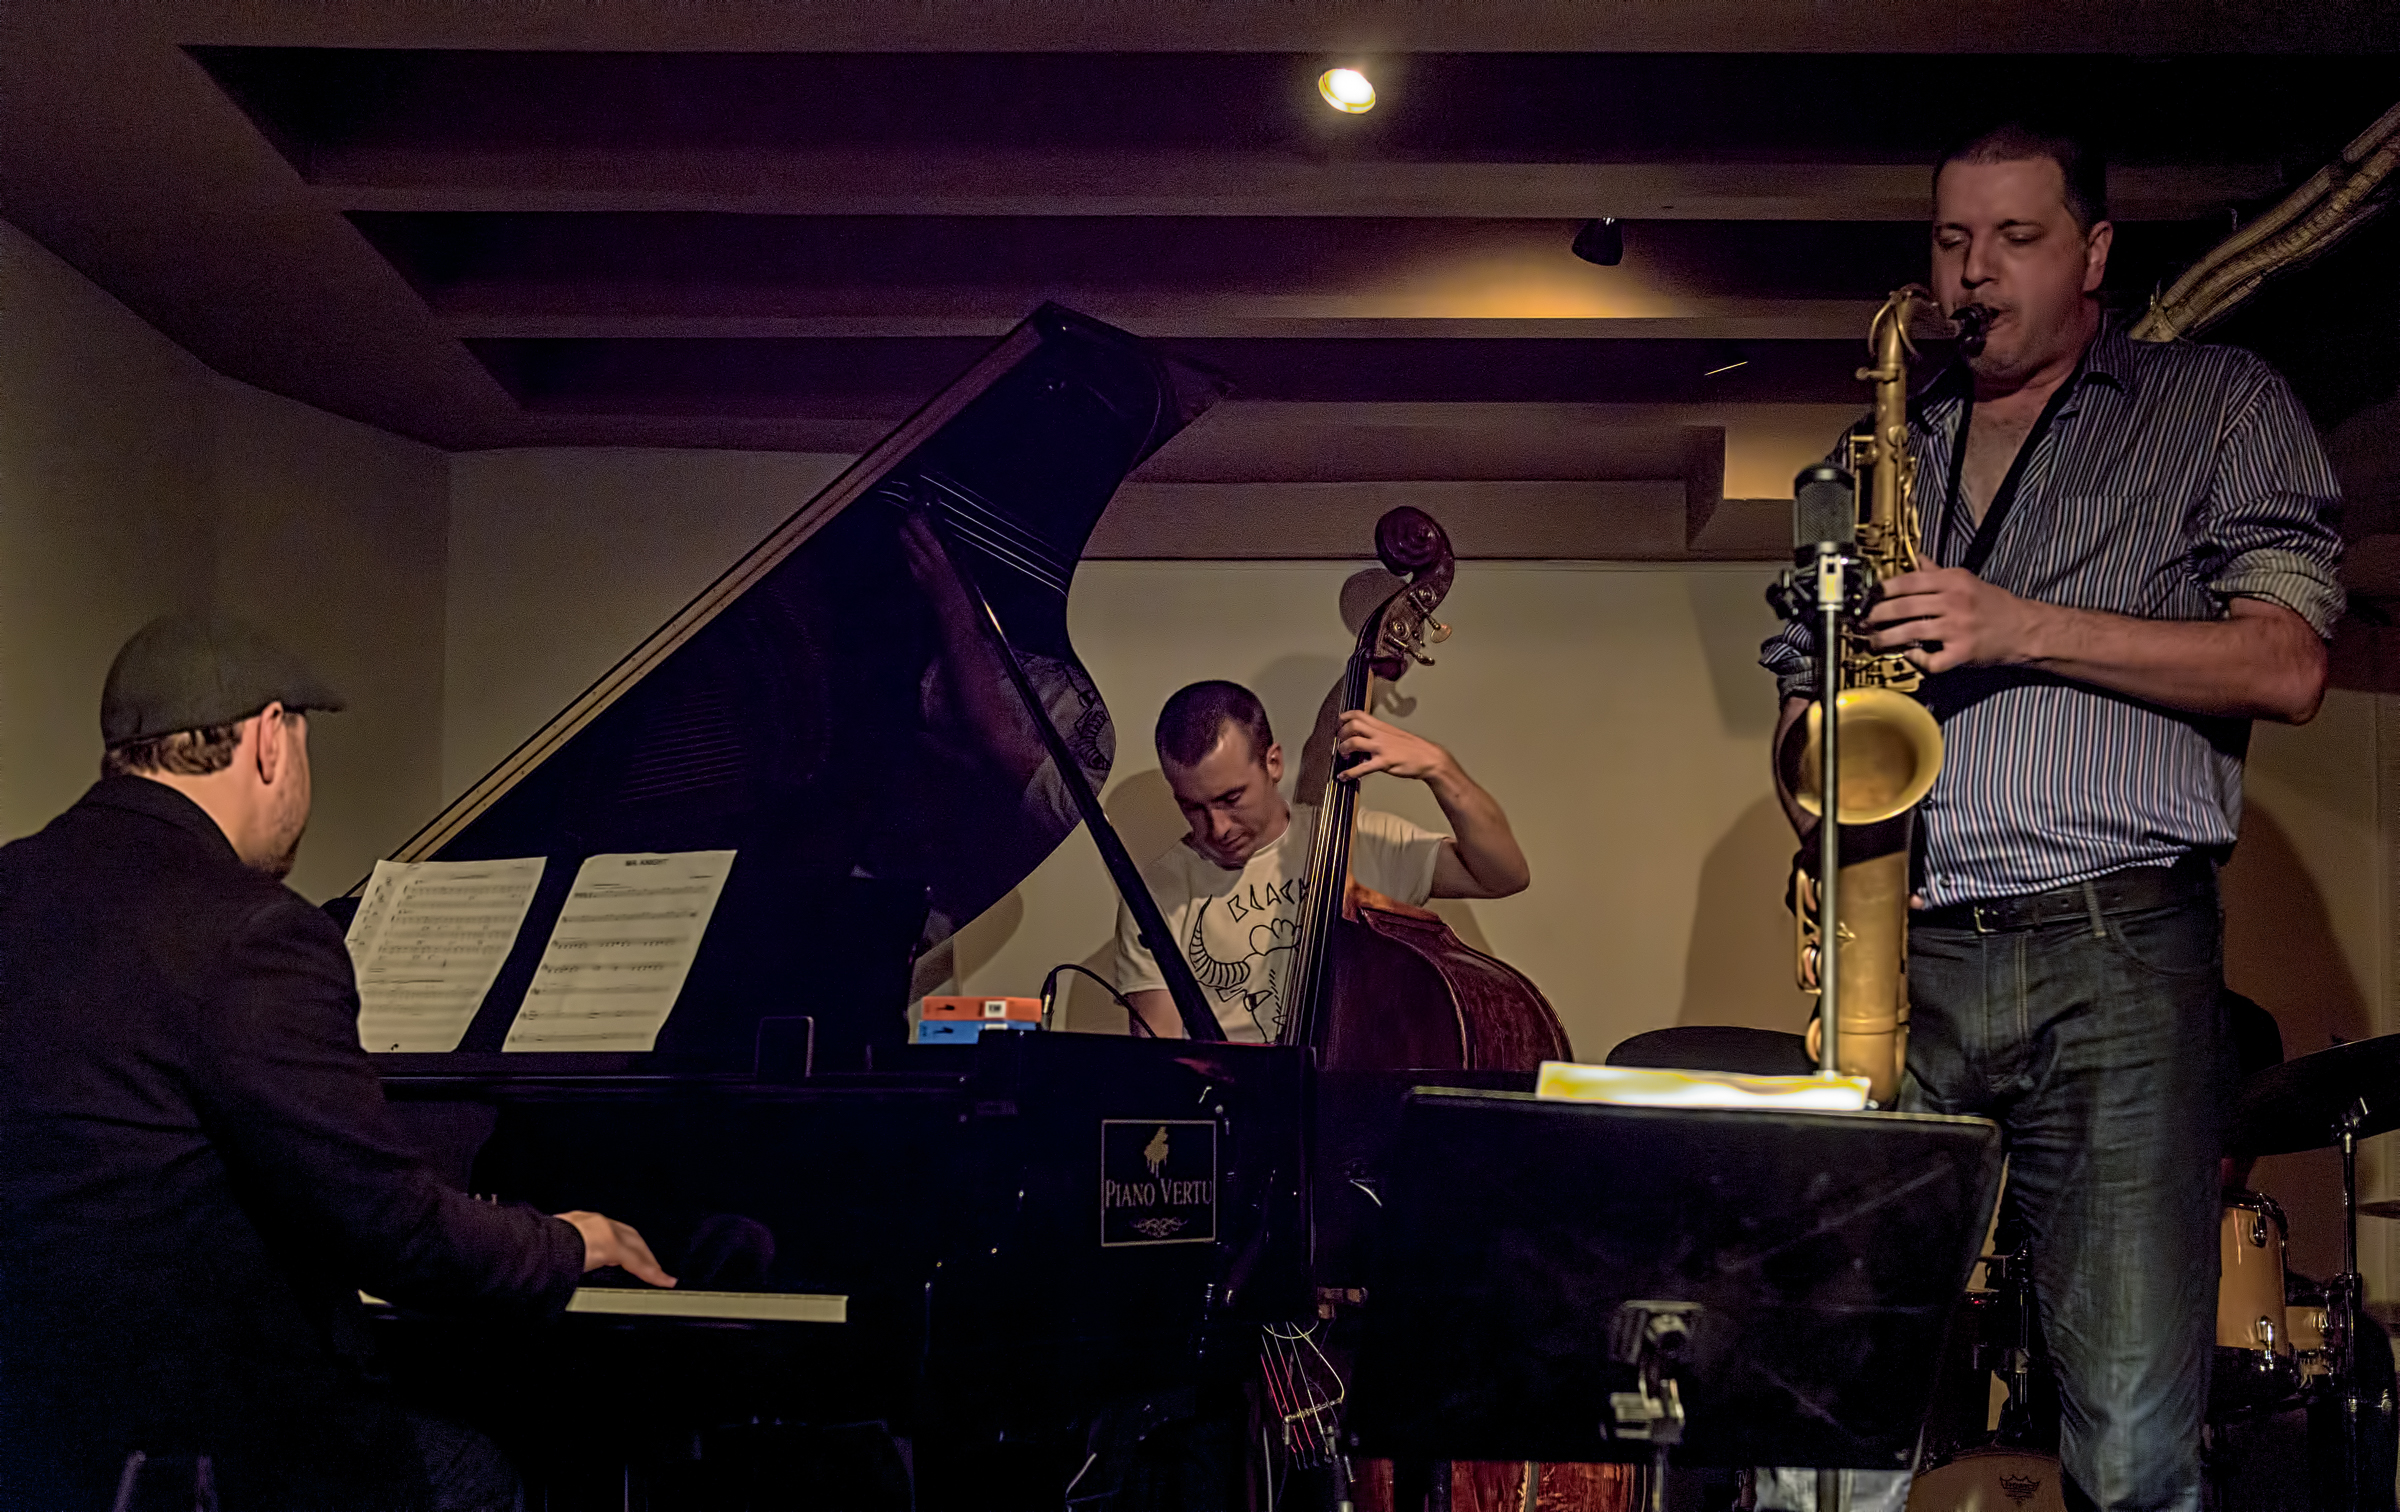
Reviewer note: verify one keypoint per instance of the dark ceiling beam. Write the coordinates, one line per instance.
(1196, 319)
(1345, 26)
(1247, 441)
(963, 182)
(768, 376)
(220, 217)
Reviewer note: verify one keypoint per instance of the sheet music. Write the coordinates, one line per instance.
(427, 941)
(618, 957)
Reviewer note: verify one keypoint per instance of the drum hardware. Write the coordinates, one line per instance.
(1991, 1479)
(1983, 1468)
(2255, 1369)
(2014, 1274)
(2345, 1294)
(2309, 1103)
(2305, 1322)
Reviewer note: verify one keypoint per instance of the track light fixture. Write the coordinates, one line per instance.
(1600, 241)
(1722, 357)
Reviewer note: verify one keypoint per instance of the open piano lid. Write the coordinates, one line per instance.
(831, 709)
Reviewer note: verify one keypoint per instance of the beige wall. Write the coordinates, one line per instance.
(1614, 710)
(106, 513)
(134, 481)
(331, 534)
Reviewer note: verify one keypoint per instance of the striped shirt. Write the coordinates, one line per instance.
(2174, 477)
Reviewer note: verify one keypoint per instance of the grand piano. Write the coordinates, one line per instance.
(1008, 1260)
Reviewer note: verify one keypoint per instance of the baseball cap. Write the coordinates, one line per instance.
(189, 672)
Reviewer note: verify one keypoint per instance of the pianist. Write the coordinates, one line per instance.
(197, 1172)
(1232, 887)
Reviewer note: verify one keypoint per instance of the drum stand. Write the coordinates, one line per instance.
(2344, 1296)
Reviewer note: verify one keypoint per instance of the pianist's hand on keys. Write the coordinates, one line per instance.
(608, 1242)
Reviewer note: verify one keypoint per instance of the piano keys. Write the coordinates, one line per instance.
(712, 1306)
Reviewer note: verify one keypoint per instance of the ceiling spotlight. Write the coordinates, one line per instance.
(1346, 90)
(1600, 241)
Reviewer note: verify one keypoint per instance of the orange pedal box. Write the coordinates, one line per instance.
(952, 1020)
(1024, 1010)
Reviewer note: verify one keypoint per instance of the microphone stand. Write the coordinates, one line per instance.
(1818, 587)
(1832, 579)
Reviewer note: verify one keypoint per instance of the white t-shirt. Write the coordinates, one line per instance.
(1239, 928)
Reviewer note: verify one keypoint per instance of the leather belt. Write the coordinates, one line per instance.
(2134, 888)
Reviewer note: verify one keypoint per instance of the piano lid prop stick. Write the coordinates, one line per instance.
(1198, 1022)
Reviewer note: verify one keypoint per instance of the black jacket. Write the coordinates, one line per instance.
(198, 1174)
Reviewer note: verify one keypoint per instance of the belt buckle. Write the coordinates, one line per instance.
(1985, 923)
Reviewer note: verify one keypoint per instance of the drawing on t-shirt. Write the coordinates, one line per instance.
(1257, 976)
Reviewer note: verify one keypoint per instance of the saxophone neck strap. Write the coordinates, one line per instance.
(1987, 534)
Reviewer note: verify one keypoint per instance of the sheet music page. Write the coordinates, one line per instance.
(428, 940)
(619, 955)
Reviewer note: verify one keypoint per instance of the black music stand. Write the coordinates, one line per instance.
(1576, 1282)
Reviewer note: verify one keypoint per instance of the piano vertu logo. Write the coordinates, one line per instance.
(1158, 1181)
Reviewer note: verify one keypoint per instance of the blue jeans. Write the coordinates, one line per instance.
(2098, 1045)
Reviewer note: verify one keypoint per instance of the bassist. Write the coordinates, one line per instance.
(1231, 889)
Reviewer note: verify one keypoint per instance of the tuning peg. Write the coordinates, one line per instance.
(1437, 632)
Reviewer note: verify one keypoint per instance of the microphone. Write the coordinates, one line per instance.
(1824, 509)
(1824, 523)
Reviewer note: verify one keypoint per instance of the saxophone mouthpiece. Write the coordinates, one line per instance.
(1973, 321)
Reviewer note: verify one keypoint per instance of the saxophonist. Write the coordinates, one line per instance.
(2135, 561)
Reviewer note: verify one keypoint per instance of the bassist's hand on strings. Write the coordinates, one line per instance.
(1482, 858)
(1382, 747)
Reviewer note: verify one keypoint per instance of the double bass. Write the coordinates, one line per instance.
(1377, 985)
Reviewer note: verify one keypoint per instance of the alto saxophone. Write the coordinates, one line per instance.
(1890, 747)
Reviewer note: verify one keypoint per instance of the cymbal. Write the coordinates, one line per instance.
(2387, 1207)
(2298, 1105)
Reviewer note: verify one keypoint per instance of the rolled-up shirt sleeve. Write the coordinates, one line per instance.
(2267, 526)
(1791, 654)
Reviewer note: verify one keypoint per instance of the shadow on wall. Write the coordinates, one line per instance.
(1293, 682)
(2279, 941)
(2365, 655)
(1738, 969)
(2280, 950)
(1312, 760)
(1730, 610)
